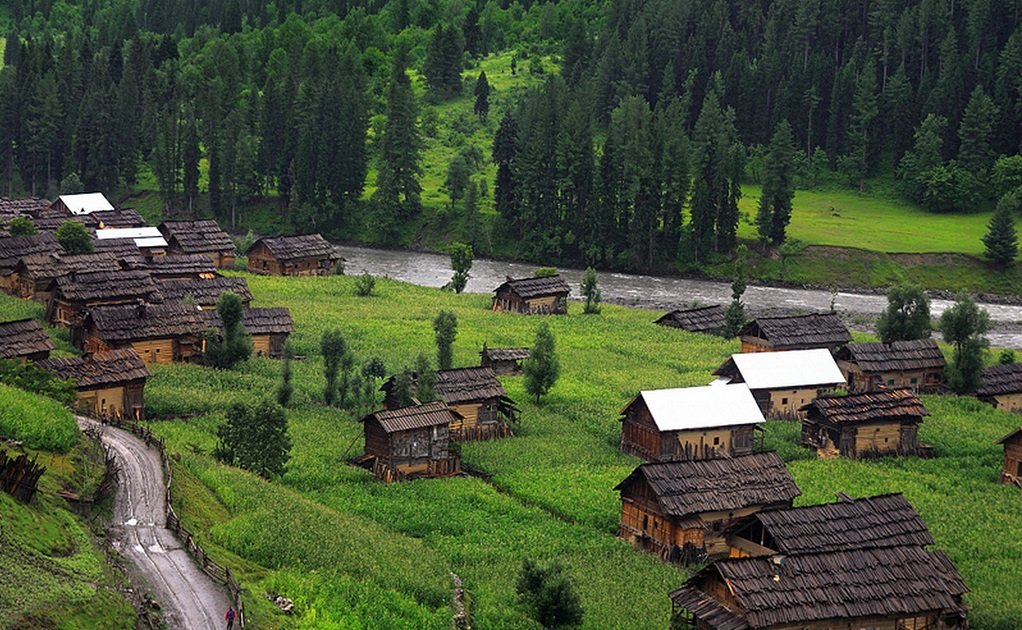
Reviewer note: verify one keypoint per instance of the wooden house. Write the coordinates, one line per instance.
(1012, 471)
(886, 520)
(503, 360)
(113, 219)
(76, 292)
(889, 588)
(24, 339)
(123, 249)
(50, 220)
(800, 332)
(532, 296)
(784, 382)
(14, 248)
(35, 274)
(110, 383)
(181, 267)
(708, 320)
(870, 424)
(199, 238)
(148, 240)
(691, 423)
(917, 365)
(159, 333)
(1002, 387)
(269, 329)
(82, 203)
(681, 510)
(409, 442)
(205, 291)
(302, 255)
(22, 207)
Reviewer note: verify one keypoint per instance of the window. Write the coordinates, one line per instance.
(716, 441)
(914, 381)
(890, 381)
(784, 401)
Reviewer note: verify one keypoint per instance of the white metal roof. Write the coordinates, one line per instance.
(702, 407)
(791, 368)
(143, 236)
(86, 203)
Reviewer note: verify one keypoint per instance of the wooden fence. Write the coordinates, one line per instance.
(482, 432)
(19, 476)
(217, 572)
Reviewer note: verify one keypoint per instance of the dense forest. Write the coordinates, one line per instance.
(631, 154)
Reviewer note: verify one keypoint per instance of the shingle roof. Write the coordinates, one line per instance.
(468, 384)
(135, 322)
(1010, 436)
(22, 338)
(180, 264)
(707, 609)
(800, 331)
(104, 285)
(505, 354)
(867, 407)
(295, 247)
(705, 319)
(415, 417)
(22, 206)
(1001, 379)
(782, 590)
(205, 291)
(527, 288)
(257, 321)
(901, 356)
(121, 248)
(686, 408)
(684, 488)
(13, 248)
(49, 266)
(793, 368)
(887, 520)
(123, 218)
(49, 220)
(102, 368)
(197, 236)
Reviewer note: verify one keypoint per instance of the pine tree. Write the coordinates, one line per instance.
(472, 222)
(976, 153)
(734, 317)
(334, 349)
(856, 163)
(575, 174)
(591, 291)
(926, 154)
(398, 189)
(775, 204)
(232, 345)
(542, 367)
(461, 262)
(1001, 239)
(505, 149)
(482, 92)
(42, 121)
(673, 152)
(190, 157)
(718, 167)
(445, 329)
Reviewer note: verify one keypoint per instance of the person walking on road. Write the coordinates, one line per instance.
(229, 616)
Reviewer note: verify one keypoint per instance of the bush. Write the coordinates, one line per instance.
(255, 437)
(34, 379)
(74, 238)
(549, 595)
(234, 345)
(365, 284)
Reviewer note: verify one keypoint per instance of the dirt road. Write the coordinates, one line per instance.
(189, 598)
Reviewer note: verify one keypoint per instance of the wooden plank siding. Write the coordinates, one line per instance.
(1011, 473)
(918, 380)
(640, 436)
(784, 404)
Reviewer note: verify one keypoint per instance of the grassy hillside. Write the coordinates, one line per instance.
(39, 422)
(328, 527)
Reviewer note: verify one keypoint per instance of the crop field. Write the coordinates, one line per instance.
(347, 548)
(37, 421)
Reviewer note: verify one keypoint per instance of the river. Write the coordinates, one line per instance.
(661, 293)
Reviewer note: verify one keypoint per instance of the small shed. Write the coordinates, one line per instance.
(681, 510)
(870, 424)
(1002, 387)
(14, 248)
(895, 588)
(24, 339)
(76, 292)
(35, 274)
(110, 383)
(918, 365)
(708, 320)
(123, 218)
(82, 203)
(1012, 471)
(410, 442)
(799, 332)
(268, 327)
(182, 267)
(503, 360)
(302, 255)
(691, 423)
(148, 239)
(205, 292)
(159, 333)
(201, 238)
(532, 296)
(784, 382)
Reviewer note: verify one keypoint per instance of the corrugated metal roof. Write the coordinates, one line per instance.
(143, 237)
(86, 203)
(702, 407)
(792, 368)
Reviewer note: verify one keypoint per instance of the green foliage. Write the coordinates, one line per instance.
(445, 330)
(1001, 239)
(336, 357)
(287, 386)
(976, 133)
(22, 226)
(442, 66)
(29, 377)
(365, 284)
(907, 315)
(461, 263)
(718, 167)
(734, 317)
(74, 238)
(545, 272)
(482, 94)
(1006, 357)
(227, 349)
(591, 291)
(549, 595)
(775, 204)
(965, 325)
(425, 379)
(403, 389)
(542, 368)
(255, 437)
(39, 422)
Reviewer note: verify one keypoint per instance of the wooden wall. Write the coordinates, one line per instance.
(639, 434)
(1009, 402)
(916, 380)
(104, 401)
(155, 351)
(785, 403)
(1012, 471)
(546, 304)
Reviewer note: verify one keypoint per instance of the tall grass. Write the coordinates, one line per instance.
(39, 422)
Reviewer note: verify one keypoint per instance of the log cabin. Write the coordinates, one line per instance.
(82, 203)
(181, 267)
(148, 239)
(503, 360)
(14, 248)
(1002, 387)
(784, 382)
(110, 383)
(24, 339)
(800, 332)
(691, 423)
(410, 442)
(201, 238)
(885, 588)
(269, 329)
(205, 292)
(113, 219)
(35, 274)
(532, 296)
(681, 510)
(865, 425)
(917, 365)
(708, 320)
(1011, 473)
(76, 292)
(159, 333)
(302, 255)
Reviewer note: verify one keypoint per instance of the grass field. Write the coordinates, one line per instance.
(348, 549)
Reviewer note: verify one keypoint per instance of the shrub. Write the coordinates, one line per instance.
(74, 238)
(549, 595)
(34, 379)
(365, 284)
(226, 350)
(255, 437)
(542, 367)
